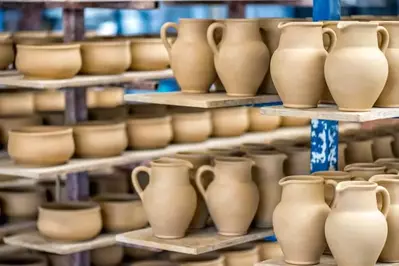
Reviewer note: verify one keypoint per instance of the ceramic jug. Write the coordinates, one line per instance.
(359, 64)
(267, 172)
(241, 58)
(190, 56)
(337, 176)
(169, 200)
(391, 164)
(355, 229)
(299, 53)
(363, 171)
(382, 147)
(232, 197)
(298, 220)
(359, 151)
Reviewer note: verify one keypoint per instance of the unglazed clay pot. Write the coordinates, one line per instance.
(298, 161)
(21, 202)
(359, 151)
(22, 260)
(249, 147)
(242, 71)
(109, 97)
(121, 212)
(15, 122)
(190, 56)
(241, 255)
(49, 100)
(6, 51)
(230, 122)
(259, 122)
(269, 250)
(149, 132)
(290, 121)
(107, 256)
(382, 147)
(232, 197)
(16, 103)
(62, 61)
(149, 54)
(391, 164)
(356, 230)
(228, 151)
(168, 197)
(355, 57)
(337, 176)
(267, 172)
(98, 140)
(105, 57)
(41, 145)
(69, 221)
(191, 126)
(207, 259)
(139, 253)
(301, 236)
(364, 170)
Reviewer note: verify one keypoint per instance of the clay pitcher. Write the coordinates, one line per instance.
(299, 53)
(169, 200)
(232, 197)
(241, 59)
(363, 171)
(359, 64)
(267, 172)
(355, 229)
(382, 147)
(337, 176)
(190, 56)
(298, 220)
(359, 151)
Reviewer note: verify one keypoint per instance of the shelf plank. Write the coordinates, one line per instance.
(206, 100)
(21, 182)
(199, 242)
(330, 112)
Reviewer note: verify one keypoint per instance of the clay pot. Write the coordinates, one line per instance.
(382, 147)
(269, 250)
(146, 132)
(107, 256)
(359, 151)
(63, 61)
(192, 126)
(229, 151)
(298, 161)
(168, 197)
(6, 51)
(391, 164)
(301, 194)
(259, 122)
(337, 176)
(342, 156)
(16, 103)
(347, 59)
(207, 259)
(139, 253)
(307, 55)
(109, 97)
(41, 145)
(291, 121)
(121, 212)
(105, 57)
(22, 260)
(49, 100)
(364, 170)
(34, 38)
(241, 72)
(232, 197)
(249, 147)
(267, 172)
(69, 221)
(230, 122)
(98, 140)
(242, 255)
(190, 56)
(20, 202)
(15, 122)
(356, 207)
(149, 54)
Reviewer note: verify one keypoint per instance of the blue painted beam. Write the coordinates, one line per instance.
(326, 10)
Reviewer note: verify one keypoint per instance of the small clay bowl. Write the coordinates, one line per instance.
(15, 122)
(99, 139)
(192, 126)
(290, 121)
(60, 61)
(230, 122)
(107, 256)
(69, 221)
(109, 97)
(259, 122)
(245, 254)
(105, 57)
(207, 259)
(49, 101)
(7, 54)
(21, 202)
(41, 145)
(16, 103)
(22, 260)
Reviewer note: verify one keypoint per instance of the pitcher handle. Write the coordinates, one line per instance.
(164, 35)
(135, 180)
(198, 178)
(384, 38)
(333, 38)
(386, 200)
(210, 36)
(334, 185)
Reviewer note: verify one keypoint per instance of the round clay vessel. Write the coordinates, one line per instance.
(192, 126)
(15, 122)
(207, 259)
(291, 121)
(34, 37)
(22, 260)
(21, 202)
(363, 171)
(190, 56)
(382, 147)
(337, 176)
(109, 97)
(269, 250)
(63, 61)
(230, 122)
(359, 151)
(41, 145)
(99, 139)
(259, 122)
(241, 255)
(121, 212)
(149, 132)
(249, 147)
(69, 221)
(16, 103)
(49, 100)
(107, 256)
(6, 51)
(149, 54)
(105, 57)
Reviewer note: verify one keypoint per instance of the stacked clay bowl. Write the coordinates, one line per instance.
(14, 122)
(16, 103)
(6, 51)
(259, 122)
(230, 122)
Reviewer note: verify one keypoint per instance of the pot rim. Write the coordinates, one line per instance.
(388, 178)
(148, 119)
(218, 111)
(344, 185)
(388, 22)
(184, 116)
(91, 43)
(265, 153)
(69, 206)
(383, 161)
(332, 174)
(283, 25)
(232, 159)
(52, 131)
(116, 198)
(303, 179)
(98, 126)
(368, 166)
(171, 162)
(150, 40)
(190, 154)
(50, 47)
(344, 24)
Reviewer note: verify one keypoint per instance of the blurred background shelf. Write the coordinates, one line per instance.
(78, 4)
(17, 227)
(7, 250)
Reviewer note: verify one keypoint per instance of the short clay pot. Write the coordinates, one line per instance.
(49, 100)
(107, 256)
(291, 121)
(109, 97)
(69, 221)
(139, 253)
(242, 255)
(22, 260)
(6, 51)
(269, 250)
(259, 122)
(15, 122)
(192, 126)
(20, 202)
(298, 162)
(99, 139)
(207, 259)
(230, 122)
(62, 61)
(41, 145)
(16, 103)
(148, 54)
(363, 171)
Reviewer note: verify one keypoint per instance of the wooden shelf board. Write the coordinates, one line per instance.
(206, 100)
(330, 112)
(202, 241)
(15, 227)
(22, 182)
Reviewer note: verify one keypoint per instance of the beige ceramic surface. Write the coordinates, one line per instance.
(232, 197)
(191, 126)
(107, 256)
(149, 54)
(109, 97)
(41, 145)
(249, 147)
(364, 170)
(382, 147)
(227, 151)
(69, 221)
(269, 250)
(342, 156)
(62, 61)
(190, 56)
(207, 259)
(6, 51)
(169, 200)
(298, 162)
(337, 176)
(242, 255)
(15, 122)
(230, 122)
(49, 100)
(355, 229)
(23, 260)
(34, 37)
(359, 151)
(391, 164)
(16, 103)
(21, 202)
(259, 122)
(289, 121)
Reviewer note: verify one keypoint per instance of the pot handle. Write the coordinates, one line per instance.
(386, 200)
(198, 178)
(210, 35)
(164, 35)
(384, 38)
(333, 38)
(135, 180)
(332, 183)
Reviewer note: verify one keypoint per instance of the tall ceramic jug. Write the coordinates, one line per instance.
(363, 171)
(190, 56)
(169, 200)
(359, 64)
(355, 229)
(298, 220)
(241, 59)
(232, 197)
(299, 53)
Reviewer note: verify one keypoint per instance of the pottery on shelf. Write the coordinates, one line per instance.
(291, 121)
(191, 125)
(241, 255)
(114, 181)
(232, 197)
(391, 164)
(259, 122)
(6, 51)
(230, 122)
(62, 61)
(49, 100)
(139, 253)
(20, 202)
(16, 103)
(225, 151)
(207, 259)
(149, 54)
(22, 260)
(109, 97)
(190, 56)
(359, 151)
(337, 176)
(15, 122)
(249, 147)
(35, 38)
(364, 170)
(41, 145)
(107, 256)
(269, 250)
(382, 147)
(298, 161)
(242, 71)
(69, 221)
